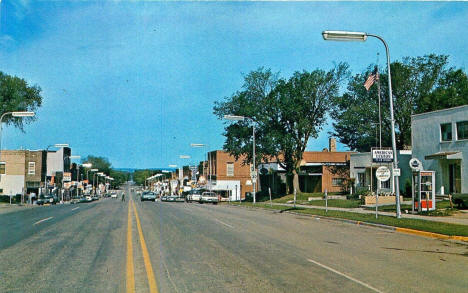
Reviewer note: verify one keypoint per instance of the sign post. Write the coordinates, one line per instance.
(382, 174)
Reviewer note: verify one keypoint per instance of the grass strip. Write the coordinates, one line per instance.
(417, 224)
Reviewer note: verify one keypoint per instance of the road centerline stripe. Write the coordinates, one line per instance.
(146, 258)
(344, 275)
(75, 208)
(130, 281)
(221, 222)
(46, 219)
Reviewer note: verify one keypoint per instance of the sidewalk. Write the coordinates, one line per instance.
(449, 219)
(6, 207)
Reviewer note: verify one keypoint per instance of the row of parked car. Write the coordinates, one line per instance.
(202, 196)
(194, 195)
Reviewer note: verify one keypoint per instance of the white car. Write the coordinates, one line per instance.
(113, 195)
(89, 198)
(194, 195)
(209, 197)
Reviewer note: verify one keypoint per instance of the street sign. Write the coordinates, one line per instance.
(382, 156)
(382, 173)
(396, 172)
(66, 176)
(415, 165)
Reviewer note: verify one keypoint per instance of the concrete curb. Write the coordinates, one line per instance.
(464, 239)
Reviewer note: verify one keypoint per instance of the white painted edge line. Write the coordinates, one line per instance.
(224, 223)
(75, 208)
(42, 220)
(344, 275)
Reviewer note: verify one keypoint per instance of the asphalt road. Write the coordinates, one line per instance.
(180, 247)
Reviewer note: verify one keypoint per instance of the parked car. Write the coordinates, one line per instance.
(194, 195)
(461, 200)
(89, 198)
(163, 197)
(46, 199)
(148, 195)
(113, 195)
(209, 197)
(83, 199)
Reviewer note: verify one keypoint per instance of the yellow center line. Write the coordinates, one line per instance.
(149, 268)
(130, 273)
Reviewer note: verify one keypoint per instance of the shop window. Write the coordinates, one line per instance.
(230, 169)
(2, 168)
(446, 131)
(462, 130)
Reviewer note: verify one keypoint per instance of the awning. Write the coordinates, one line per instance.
(445, 155)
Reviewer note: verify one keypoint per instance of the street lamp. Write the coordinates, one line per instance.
(361, 36)
(95, 172)
(57, 145)
(71, 157)
(208, 158)
(254, 173)
(14, 114)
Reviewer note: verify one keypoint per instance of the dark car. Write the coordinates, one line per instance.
(461, 200)
(148, 195)
(46, 199)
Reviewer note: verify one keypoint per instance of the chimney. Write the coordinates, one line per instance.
(332, 144)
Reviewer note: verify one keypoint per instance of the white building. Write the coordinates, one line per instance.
(362, 170)
(440, 142)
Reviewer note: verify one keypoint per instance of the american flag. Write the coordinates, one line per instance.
(371, 79)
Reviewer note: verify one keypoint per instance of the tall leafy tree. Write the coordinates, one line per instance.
(287, 114)
(17, 95)
(419, 84)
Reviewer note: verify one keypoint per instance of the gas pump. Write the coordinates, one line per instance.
(423, 191)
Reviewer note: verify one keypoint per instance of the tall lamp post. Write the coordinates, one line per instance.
(362, 36)
(57, 145)
(64, 158)
(14, 114)
(208, 157)
(94, 171)
(254, 173)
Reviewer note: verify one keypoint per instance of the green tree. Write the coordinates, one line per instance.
(140, 176)
(120, 177)
(287, 114)
(17, 95)
(419, 84)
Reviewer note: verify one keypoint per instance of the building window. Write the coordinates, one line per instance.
(337, 181)
(2, 168)
(361, 179)
(32, 168)
(446, 131)
(385, 184)
(462, 130)
(230, 169)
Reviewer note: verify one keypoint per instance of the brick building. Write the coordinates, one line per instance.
(230, 177)
(319, 171)
(22, 171)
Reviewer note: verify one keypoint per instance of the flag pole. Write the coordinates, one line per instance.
(378, 93)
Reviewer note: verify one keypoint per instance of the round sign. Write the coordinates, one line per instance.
(415, 164)
(382, 173)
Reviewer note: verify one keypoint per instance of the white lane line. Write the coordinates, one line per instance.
(75, 208)
(224, 223)
(344, 275)
(42, 220)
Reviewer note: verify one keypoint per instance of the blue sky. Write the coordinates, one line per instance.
(136, 82)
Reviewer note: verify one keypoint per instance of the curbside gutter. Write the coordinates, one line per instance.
(381, 226)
